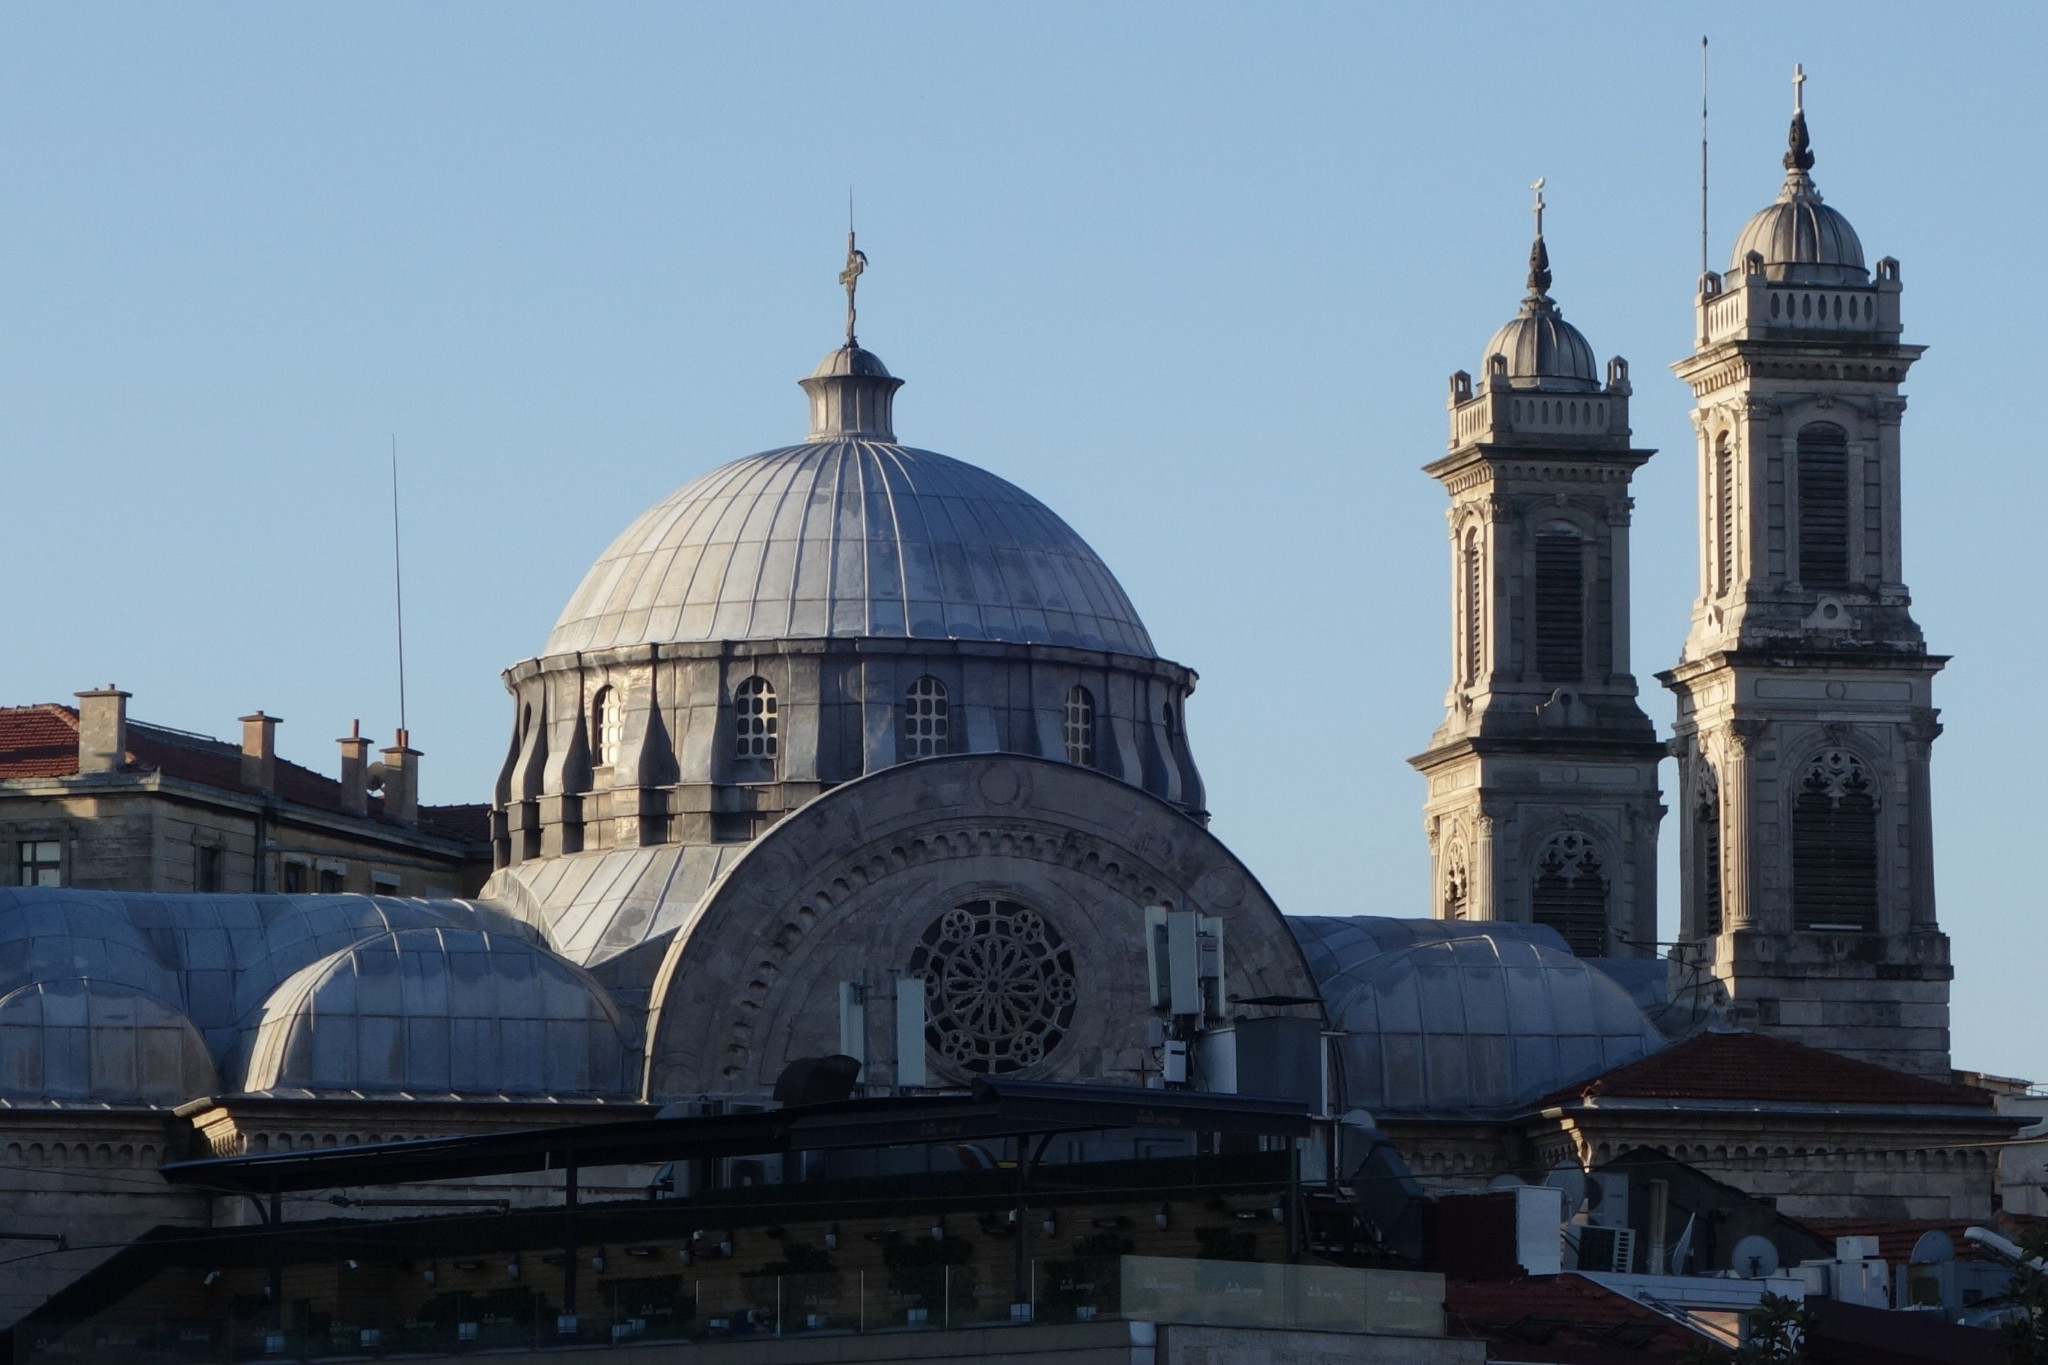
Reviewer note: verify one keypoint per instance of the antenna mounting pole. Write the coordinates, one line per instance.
(398, 589)
(1704, 259)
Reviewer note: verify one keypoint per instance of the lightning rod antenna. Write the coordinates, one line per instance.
(1704, 259)
(398, 589)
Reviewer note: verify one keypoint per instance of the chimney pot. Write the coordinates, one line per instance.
(402, 780)
(103, 730)
(355, 771)
(259, 751)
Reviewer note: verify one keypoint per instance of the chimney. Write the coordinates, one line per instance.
(402, 780)
(259, 752)
(103, 730)
(355, 771)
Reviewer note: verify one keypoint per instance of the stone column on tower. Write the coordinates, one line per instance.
(1805, 688)
(1543, 803)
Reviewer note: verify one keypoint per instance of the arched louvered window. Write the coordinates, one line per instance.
(1724, 516)
(1707, 834)
(1078, 726)
(1472, 608)
(1570, 893)
(1823, 463)
(1834, 847)
(607, 727)
(755, 723)
(926, 723)
(1560, 604)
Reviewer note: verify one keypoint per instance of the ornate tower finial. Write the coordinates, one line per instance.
(856, 262)
(1799, 159)
(1539, 255)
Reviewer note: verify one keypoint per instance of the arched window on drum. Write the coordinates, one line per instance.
(927, 719)
(1078, 727)
(755, 727)
(607, 727)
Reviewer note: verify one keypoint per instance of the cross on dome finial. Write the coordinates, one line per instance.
(856, 262)
(1799, 155)
(1539, 256)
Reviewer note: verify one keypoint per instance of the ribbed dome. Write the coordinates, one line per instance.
(1801, 239)
(849, 536)
(1545, 351)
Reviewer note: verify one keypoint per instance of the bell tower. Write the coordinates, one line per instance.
(1543, 802)
(1805, 712)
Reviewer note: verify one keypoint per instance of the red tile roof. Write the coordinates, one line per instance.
(1755, 1066)
(38, 741)
(1565, 1318)
(42, 741)
(1896, 1237)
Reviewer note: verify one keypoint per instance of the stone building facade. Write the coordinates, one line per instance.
(1543, 802)
(1805, 707)
(89, 798)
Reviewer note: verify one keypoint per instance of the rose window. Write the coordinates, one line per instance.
(999, 986)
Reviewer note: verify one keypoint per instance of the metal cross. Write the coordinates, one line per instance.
(1538, 187)
(1798, 88)
(856, 261)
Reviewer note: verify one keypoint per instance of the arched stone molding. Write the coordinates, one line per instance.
(844, 888)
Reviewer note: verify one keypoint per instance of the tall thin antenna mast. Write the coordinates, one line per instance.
(1704, 259)
(398, 590)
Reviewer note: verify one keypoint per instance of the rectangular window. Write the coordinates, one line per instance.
(383, 883)
(331, 881)
(206, 867)
(42, 863)
(293, 879)
(1560, 606)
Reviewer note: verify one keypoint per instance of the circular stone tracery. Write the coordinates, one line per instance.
(999, 986)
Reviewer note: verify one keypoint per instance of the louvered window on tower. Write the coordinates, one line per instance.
(926, 723)
(1834, 847)
(1472, 581)
(1570, 893)
(1724, 516)
(1560, 606)
(1823, 463)
(1079, 727)
(1707, 815)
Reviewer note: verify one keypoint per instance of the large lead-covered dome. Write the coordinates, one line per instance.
(849, 534)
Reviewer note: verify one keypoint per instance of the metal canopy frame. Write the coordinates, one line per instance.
(993, 1109)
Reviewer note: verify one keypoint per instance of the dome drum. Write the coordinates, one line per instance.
(677, 770)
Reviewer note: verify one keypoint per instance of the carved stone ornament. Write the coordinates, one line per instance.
(1837, 773)
(1568, 854)
(999, 987)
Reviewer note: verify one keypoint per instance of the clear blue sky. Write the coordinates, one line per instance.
(1194, 275)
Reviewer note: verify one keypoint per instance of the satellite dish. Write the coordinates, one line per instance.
(1570, 1178)
(1933, 1248)
(1754, 1257)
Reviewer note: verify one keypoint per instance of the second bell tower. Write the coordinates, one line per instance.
(1543, 803)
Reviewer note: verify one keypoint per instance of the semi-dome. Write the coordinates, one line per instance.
(1452, 1017)
(77, 1039)
(441, 1011)
(1542, 349)
(849, 534)
(1801, 239)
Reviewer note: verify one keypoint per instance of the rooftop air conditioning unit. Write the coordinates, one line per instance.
(1612, 1250)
